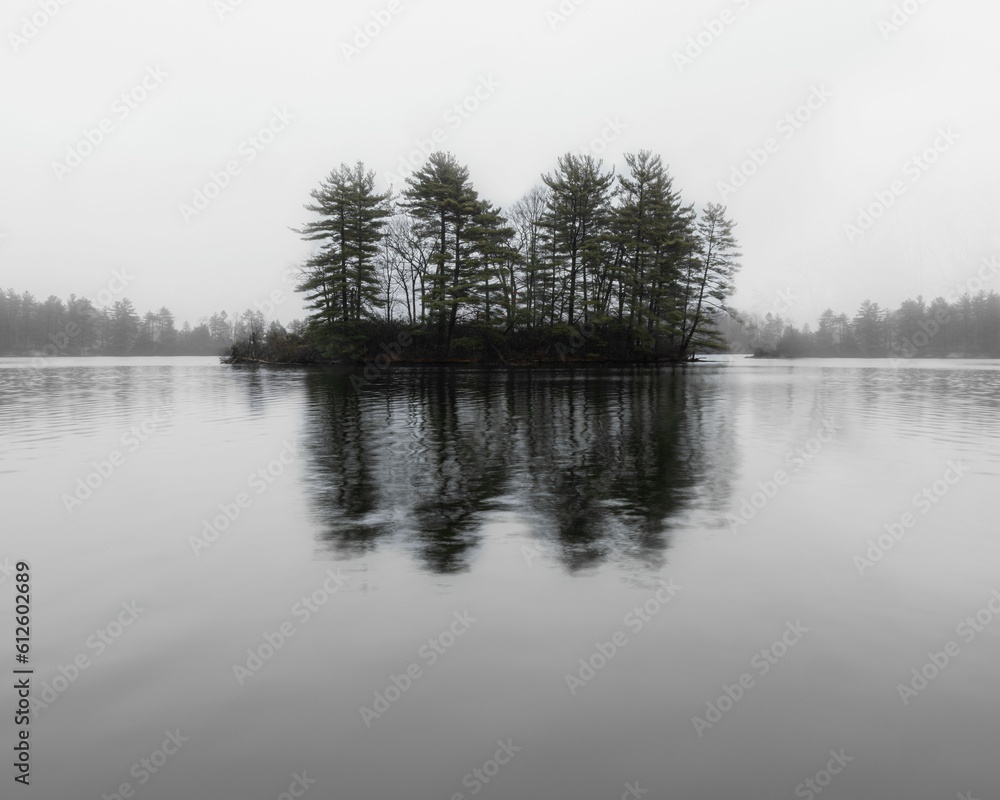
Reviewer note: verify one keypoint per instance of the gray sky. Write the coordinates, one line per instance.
(704, 84)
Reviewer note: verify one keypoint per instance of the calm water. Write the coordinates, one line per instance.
(681, 532)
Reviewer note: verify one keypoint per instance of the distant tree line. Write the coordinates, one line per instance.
(620, 263)
(968, 326)
(76, 327)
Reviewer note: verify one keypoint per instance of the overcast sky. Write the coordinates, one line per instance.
(704, 84)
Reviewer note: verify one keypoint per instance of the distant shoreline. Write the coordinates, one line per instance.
(949, 357)
(482, 364)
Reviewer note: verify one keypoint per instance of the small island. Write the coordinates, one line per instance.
(588, 266)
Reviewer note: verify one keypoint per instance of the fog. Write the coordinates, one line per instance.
(854, 143)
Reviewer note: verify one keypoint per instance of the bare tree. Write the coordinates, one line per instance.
(411, 254)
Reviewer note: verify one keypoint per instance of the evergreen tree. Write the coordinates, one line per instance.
(496, 265)
(168, 331)
(577, 218)
(708, 281)
(124, 327)
(446, 206)
(220, 330)
(81, 314)
(654, 233)
(341, 283)
(870, 329)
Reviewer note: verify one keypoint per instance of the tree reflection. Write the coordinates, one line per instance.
(598, 464)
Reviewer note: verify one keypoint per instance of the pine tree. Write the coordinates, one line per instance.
(341, 283)
(708, 281)
(446, 207)
(577, 217)
(494, 273)
(124, 326)
(168, 331)
(655, 237)
(870, 329)
(220, 329)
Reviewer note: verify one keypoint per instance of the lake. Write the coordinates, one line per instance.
(743, 579)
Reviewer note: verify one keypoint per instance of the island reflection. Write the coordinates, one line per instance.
(598, 464)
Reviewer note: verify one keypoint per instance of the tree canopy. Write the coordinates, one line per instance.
(622, 256)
